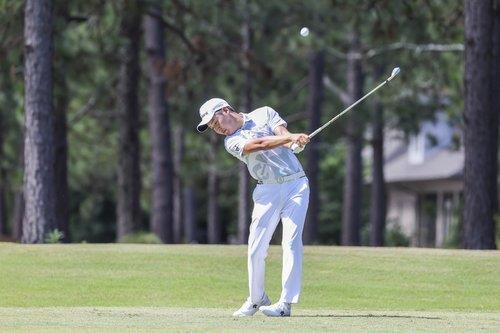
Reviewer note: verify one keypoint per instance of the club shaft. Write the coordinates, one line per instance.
(349, 108)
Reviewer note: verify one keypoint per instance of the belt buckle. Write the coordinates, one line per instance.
(280, 180)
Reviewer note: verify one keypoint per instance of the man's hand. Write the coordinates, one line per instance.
(297, 141)
(301, 139)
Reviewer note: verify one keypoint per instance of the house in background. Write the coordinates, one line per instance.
(424, 181)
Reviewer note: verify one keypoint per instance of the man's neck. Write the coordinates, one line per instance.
(241, 120)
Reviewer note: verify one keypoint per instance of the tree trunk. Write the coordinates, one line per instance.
(61, 155)
(161, 217)
(129, 175)
(7, 106)
(214, 231)
(496, 57)
(190, 226)
(378, 192)
(481, 129)
(178, 187)
(243, 203)
(351, 209)
(61, 102)
(3, 209)
(18, 211)
(495, 84)
(243, 175)
(17, 216)
(316, 70)
(39, 217)
(214, 227)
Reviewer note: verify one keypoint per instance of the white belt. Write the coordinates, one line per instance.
(283, 179)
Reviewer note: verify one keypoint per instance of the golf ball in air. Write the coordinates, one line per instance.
(304, 31)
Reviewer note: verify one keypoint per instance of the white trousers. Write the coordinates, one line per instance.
(272, 202)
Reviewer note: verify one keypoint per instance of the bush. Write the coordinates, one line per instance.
(141, 238)
(53, 237)
(395, 237)
(454, 237)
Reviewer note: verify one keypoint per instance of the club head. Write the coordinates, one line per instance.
(395, 72)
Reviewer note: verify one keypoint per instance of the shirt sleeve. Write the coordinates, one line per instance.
(274, 119)
(234, 145)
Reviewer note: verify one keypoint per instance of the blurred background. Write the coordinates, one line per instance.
(99, 102)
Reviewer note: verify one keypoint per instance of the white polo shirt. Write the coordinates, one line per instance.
(263, 165)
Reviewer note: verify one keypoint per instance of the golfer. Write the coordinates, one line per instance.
(260, 139)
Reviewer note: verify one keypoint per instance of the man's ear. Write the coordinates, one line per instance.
(226, 109)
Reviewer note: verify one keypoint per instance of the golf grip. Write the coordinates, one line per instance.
(296, 148)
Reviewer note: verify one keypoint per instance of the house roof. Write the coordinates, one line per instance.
(439, 163)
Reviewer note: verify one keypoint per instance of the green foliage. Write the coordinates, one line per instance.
(331, 184)
(395, 237)
(53, 237)
(142, 238)
(92, 217)
(86, 45)
(365, 234)
(454, 238)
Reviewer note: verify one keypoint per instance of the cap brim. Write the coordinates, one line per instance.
(202, 126)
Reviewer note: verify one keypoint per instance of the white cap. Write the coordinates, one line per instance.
(207, 111)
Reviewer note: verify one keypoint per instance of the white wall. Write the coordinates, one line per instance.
(401, 209)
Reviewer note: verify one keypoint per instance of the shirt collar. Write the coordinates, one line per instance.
(245, 118)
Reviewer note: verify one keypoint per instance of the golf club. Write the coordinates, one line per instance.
(297, 149)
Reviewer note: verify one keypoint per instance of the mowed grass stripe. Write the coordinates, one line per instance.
(202, 276)
(98, 319)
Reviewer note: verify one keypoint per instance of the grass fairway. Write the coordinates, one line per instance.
(120, 287)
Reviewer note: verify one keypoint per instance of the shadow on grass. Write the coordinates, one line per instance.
(365, 316)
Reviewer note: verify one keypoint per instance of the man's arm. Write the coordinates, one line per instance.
(270, 142)
(282, 130)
